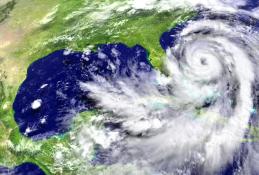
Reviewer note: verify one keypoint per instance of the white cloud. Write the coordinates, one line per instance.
(174, 132)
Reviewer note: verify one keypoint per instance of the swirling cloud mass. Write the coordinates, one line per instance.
(194, 117)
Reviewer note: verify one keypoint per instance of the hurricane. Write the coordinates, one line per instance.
(194, 117)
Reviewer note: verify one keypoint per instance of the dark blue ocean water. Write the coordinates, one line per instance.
(250, 5)
(170, 38)
(53, 82)
(23, 169)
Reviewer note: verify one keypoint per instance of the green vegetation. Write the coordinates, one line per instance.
(5, 9)
(36, 28)
(33, 29)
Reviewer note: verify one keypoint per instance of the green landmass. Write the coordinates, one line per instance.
(5, 9)
(33, 29)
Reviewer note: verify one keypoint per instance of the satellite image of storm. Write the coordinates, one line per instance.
(129, 87)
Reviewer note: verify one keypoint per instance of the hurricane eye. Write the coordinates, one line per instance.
(204, 61)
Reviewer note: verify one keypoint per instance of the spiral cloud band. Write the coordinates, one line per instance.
(219, 52)
(196, 116)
